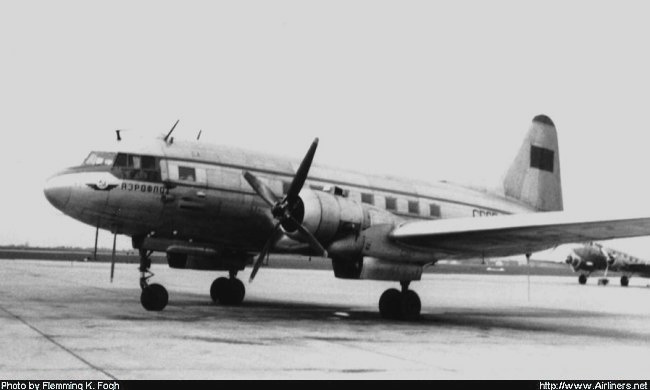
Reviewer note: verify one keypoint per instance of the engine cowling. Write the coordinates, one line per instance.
(575, 262)
(327, 216)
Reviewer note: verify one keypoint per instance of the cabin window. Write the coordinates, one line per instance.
(391, 203)
(186, 173)
(340, 191)
(367, 198)
(434, 210)
(414, 207)
(316, 187)
(99, 158)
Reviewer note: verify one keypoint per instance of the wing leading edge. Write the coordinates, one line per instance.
(512, 234)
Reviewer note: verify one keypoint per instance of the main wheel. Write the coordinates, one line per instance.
(625, 281)
(233, 293)
(389, 304)
(582, 279)
(218, 288)
(410, 305)
(154, 297)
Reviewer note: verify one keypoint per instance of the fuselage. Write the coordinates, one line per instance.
(594, 257)
(196, 192)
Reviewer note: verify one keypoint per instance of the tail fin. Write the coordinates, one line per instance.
(534, 176)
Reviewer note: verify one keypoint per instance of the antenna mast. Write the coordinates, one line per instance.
(170, 132)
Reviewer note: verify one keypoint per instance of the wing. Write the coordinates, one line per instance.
(512, 234)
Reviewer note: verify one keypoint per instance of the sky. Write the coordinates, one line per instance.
(421, 89)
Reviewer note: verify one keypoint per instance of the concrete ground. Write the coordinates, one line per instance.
(64, 320)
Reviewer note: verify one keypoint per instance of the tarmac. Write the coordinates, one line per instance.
(65, 320)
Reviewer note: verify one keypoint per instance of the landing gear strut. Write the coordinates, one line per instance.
(604, 281)
(400, 305)
(154, 297)
(228, 291)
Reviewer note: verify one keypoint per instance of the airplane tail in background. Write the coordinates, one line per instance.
(534, 175)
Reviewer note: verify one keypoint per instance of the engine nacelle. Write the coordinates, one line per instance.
(575, 262)
(376, 269)
(327, 216)
(618, 261)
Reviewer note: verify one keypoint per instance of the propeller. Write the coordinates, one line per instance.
(574, 262)
(285, 209)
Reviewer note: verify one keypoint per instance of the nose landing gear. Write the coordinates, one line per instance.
(154, 297)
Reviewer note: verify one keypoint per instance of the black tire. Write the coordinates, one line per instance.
(582, 279)
(234, 293)
(218, 288)
(154, 297)
(389, 304)
(410, 306)
(625, 281)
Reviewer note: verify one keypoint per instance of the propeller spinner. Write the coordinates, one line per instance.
(283, 209)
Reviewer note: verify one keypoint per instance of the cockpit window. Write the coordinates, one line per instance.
(99, 158)
(136, 167)
(120, 160)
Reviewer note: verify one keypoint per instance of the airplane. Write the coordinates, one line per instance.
(221, 208)
(594, 256)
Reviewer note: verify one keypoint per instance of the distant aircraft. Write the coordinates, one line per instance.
(215, 207)
(595, 257)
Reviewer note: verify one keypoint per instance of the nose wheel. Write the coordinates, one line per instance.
(400, 305)
(228, 291)
(154, 297)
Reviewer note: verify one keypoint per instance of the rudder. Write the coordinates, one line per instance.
(534, 176)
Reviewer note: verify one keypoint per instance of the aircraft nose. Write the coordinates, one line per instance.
(57, 191)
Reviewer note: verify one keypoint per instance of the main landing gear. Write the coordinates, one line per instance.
(625, 280)
(400, 305)
(154, 297)
(228, 291)
(582, 279)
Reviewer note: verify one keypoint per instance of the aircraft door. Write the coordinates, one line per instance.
(185, 202)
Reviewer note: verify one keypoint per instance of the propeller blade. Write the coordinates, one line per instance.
(311, 240)
(113, 256)
(528, 274)
(262, 189)
(270, 243)
(301, 174)
(112, 269)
